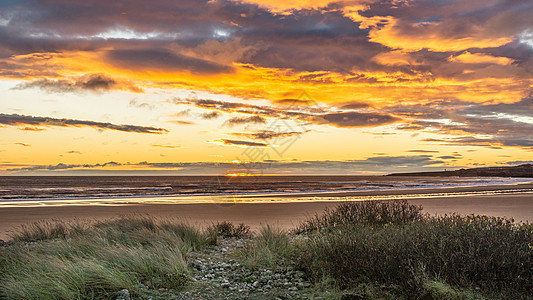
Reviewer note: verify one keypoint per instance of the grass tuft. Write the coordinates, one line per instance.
(46, 230)
(134, 253)
(267, 248)
(228, 229)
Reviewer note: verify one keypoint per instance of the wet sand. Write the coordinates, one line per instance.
(516, 205)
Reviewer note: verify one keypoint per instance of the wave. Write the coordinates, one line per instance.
(128, 187)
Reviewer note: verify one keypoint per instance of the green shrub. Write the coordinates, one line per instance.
(493, 254)
(364, 213)
(228, 229)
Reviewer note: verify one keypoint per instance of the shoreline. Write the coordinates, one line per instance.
(285, 214)
(390, 194)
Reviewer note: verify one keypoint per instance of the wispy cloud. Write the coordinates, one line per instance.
(472, 124)
(167, 146)
(268, 134)
(422, 151)
(307, 114)
(210, 115)
(244, 120)
(358, 119)
(182, 122)
(227, 142)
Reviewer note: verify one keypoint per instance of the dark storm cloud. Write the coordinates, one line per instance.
(457, 18)
(322, 39)
(22, 120)
(161, 59)
(157, 35)
(524, 107)
(319, 39)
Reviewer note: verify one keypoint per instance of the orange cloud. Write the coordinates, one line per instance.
(247, 81)
(395, 36)
(396, 58)
(280, 6)
(478, 58)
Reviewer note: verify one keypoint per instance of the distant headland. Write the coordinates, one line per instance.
(525, 170)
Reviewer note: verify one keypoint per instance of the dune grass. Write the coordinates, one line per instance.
(59, 260)
(269, 248)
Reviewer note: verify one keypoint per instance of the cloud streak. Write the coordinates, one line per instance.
(88, 82)
(381, 164)
(244, 120)
(22, 120)
(268, 134)
(239, 143)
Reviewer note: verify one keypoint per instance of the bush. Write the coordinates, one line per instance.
(493, 254)
(228, 229)
(364, 213)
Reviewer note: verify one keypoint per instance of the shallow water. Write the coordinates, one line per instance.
(50, 190)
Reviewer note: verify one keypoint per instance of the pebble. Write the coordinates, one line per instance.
(219, 276)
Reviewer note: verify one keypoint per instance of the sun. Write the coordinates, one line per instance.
(240, 175)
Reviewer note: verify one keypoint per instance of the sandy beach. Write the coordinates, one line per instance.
(287, 214)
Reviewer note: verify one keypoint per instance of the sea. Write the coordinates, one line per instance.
(115, 190)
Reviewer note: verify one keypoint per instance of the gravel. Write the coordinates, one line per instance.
(217, 275)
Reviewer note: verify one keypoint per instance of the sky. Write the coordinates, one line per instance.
(264, 87)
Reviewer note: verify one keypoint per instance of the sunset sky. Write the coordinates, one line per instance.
(276, 87)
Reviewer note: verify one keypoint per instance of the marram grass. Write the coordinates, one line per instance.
(56, 260)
